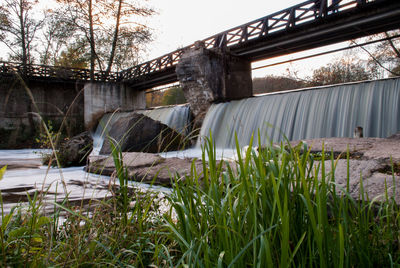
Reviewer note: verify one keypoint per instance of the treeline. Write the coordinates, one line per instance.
(170, 96)
(380, 60)
(107, 35)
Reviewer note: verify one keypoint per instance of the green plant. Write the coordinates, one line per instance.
(278, 208)
(2, 171)
(46, 138)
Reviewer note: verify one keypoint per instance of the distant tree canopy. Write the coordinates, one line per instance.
(271, 83)
(169, 96)
(341, 71)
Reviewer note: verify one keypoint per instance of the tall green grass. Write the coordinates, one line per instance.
(273, 207)
(278, 208)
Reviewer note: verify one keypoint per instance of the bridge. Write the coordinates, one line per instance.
(308, 25)
(217, 68)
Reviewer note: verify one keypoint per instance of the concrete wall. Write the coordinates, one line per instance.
(208, 76)
(101, 98)
(22, 105)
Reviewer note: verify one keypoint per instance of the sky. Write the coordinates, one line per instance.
(179, 23)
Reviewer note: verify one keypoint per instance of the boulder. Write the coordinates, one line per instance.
(75, 151)
(139, 133)
(395, 136)
(145, 167)
(374, 165)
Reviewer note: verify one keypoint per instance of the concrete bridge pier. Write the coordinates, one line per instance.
(101, 98)
(208, 76)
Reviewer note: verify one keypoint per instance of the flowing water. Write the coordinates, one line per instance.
(332, 111)
(54, 184)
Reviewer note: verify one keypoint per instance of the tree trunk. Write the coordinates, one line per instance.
(23, 37)
(115, 39)
(91, 41)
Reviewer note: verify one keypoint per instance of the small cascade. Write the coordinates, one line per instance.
(176, 117)
(331, 111)
(104, 124)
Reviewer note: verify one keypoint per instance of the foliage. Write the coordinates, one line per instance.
(270, 210)
(275, 207)
(2, 171)
(384, 57)
(56, 45)
(102, 34)
(341, 71)
(19, 28)
(67, 237)
(110, 29)
(172, 96)
(271, 83)
(73, 57)
(45, 140)
(154, 98)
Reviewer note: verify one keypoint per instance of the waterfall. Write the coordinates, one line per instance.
(330, 111)
(176, 117)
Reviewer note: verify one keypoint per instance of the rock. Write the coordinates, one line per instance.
(361, 148)
(145, 167)
(371, 162)
(367, 176)
(75, 151)
(139, 133)
(395, 136)
(20, 163)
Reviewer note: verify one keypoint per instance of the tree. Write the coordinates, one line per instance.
(172, 96)
(272, 83)
(108, 26)
(341, 71)
(19, 28)
(73, 57)
(384, 57)
(54, 42)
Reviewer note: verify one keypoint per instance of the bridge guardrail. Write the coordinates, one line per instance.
(308, 11)
(56, 72)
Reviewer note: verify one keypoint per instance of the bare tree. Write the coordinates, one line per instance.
(19, 28)
(384, 56)
(54, 39)
(108, 26)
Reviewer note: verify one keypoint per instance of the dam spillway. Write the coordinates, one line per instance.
(329, 111)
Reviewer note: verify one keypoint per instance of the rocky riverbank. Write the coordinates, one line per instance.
(373, 165)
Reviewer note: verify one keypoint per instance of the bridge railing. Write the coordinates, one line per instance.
(283, 20)
(56, 72)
